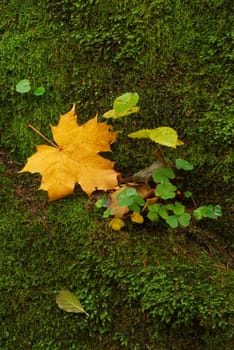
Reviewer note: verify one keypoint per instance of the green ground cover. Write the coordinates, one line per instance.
(144, 287)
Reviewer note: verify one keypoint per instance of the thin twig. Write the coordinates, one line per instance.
(43, 136)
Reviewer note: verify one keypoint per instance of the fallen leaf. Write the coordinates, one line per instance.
(150, 201)
(163, 135)
(75, 159)
(137, 218)
(123, 106)
(69, 302)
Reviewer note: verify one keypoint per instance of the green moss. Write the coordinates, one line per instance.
(142, 287)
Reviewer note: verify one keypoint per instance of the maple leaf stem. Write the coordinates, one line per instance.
(43, 136)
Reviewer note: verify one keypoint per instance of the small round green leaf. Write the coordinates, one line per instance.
(166, 190)
(183, 164)
(197, 213)
(178, 208)
(184, 219)
(23, 86)
(187, 194)
(172, 221)
(153, 216)
(163, 212)
(163, 174)
(39, 91)
(107, 213)
(154, 208)
(100, 203)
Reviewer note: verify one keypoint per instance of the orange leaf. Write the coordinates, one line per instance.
(118, 211)
(137, 218)
(150, 201)
(76, 159)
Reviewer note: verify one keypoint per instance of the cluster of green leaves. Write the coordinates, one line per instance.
(24, 86)
(174, 213)
(131, 199)
(179, 216)
(102, 203)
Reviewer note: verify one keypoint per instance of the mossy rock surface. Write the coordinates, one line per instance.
(145, 287)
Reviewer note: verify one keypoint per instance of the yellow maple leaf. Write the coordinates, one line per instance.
(75, 159)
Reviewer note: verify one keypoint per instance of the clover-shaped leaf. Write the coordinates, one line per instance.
(184, 219)
(130, 198)
(172, 221)
(163, 174)
(166, 190)
(207, 211)
(153, 212)
(176, 207)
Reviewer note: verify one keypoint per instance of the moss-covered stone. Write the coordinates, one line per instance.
(177, 56)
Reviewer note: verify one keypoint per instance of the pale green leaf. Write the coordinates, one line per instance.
(69, 302)
(115, 115)
(125, 101)
(141, 134)
(23, 86)
(163, 135)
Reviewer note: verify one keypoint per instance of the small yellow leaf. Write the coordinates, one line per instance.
(137, 218)
(116, 224)
(179, 143)
(163, 135)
